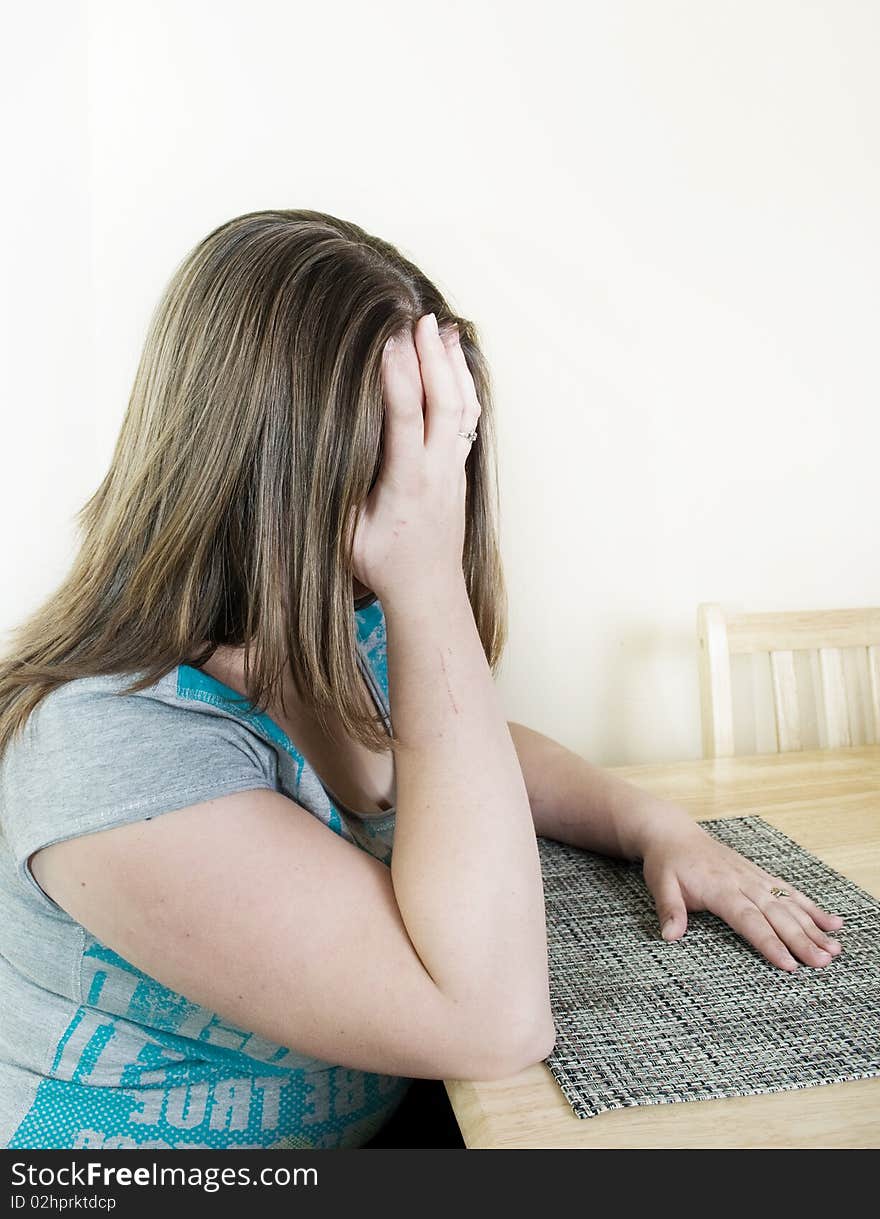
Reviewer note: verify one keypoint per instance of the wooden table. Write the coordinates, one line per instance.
(829, 802)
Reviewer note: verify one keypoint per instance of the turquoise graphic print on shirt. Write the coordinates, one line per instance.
(195, 1082)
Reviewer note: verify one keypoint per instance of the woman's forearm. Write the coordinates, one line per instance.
(465, 867)
(576, 802)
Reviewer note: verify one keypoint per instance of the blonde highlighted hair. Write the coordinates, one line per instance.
(253, 434)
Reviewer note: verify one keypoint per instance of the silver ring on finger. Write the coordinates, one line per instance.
(471, 436)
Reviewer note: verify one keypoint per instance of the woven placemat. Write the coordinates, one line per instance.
(641, 1021)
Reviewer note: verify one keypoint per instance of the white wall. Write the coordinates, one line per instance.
(663, 217)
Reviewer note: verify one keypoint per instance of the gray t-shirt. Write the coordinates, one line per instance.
(94, 1053)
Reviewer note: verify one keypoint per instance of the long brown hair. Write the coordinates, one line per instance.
(252, 436)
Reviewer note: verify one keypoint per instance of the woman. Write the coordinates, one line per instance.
(295, 544)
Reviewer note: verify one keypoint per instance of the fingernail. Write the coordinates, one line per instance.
(789, 962)
(433, 323)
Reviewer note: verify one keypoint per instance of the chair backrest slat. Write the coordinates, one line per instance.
(833, 713)
(785, 701)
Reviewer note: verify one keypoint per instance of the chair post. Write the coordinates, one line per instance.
(874, 690)
(716, 697)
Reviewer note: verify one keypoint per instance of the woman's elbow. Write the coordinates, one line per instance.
(514, 1047)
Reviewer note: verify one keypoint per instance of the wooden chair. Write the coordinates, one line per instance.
(824, 633)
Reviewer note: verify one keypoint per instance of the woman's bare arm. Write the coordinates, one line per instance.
(251, 907)
(465, 868)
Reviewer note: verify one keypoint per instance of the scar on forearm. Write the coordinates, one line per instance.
(448, 687)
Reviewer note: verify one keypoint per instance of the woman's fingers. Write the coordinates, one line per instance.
(741, 913)
(784, 934)
(816, 934)
(790, 924)
(443, 409)
(429, 394)
(403, 394)
(828, 922)
(470, 402)
(670, 905)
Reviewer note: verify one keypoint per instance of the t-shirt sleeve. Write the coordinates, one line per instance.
(92, 759)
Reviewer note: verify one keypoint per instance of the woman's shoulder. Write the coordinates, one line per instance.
(178, 703)
(93, 754)
(80, 694)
